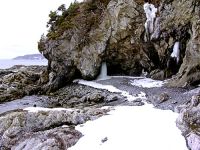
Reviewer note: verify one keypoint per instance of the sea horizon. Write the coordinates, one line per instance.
(7, 63)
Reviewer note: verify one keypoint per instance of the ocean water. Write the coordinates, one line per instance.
(7, 63)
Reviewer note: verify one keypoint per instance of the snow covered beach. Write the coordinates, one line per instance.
(131, 127)
(128, 127)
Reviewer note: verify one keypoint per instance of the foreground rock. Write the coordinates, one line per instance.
(189, 123)
(37, 128)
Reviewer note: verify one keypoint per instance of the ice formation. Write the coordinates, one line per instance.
(150, 11)
(176, 52)
(103, 72)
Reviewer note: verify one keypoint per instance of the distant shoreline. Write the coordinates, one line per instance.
(8, 63)
(30, 57)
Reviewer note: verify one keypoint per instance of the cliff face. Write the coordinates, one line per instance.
(114, 32)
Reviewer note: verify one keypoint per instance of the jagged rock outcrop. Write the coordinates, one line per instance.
(113, 31)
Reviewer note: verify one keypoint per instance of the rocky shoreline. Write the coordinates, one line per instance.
(47, 128)
(40, 106)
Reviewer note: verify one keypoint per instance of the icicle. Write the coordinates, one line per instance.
(176, 52)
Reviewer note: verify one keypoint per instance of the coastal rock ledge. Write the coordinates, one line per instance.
(128, 37)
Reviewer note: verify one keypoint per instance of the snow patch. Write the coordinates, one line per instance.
(93, 84)
(176, 52)
(147, 83)
(129, 128)
(129, 77)
(65, 126)
(113, 89)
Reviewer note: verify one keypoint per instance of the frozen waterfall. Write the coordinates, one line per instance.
(103, 72)
(176, 52)
(150, 11)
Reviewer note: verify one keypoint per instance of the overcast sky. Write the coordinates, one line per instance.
(22, 22)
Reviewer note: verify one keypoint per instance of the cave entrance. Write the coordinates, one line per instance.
(114, 69)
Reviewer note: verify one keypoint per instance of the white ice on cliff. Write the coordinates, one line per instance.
(150, 11)
(176, 52)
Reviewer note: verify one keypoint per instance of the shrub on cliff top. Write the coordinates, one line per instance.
(82, 15)
(60, 20)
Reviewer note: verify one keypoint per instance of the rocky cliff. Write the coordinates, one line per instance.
(119, 33)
